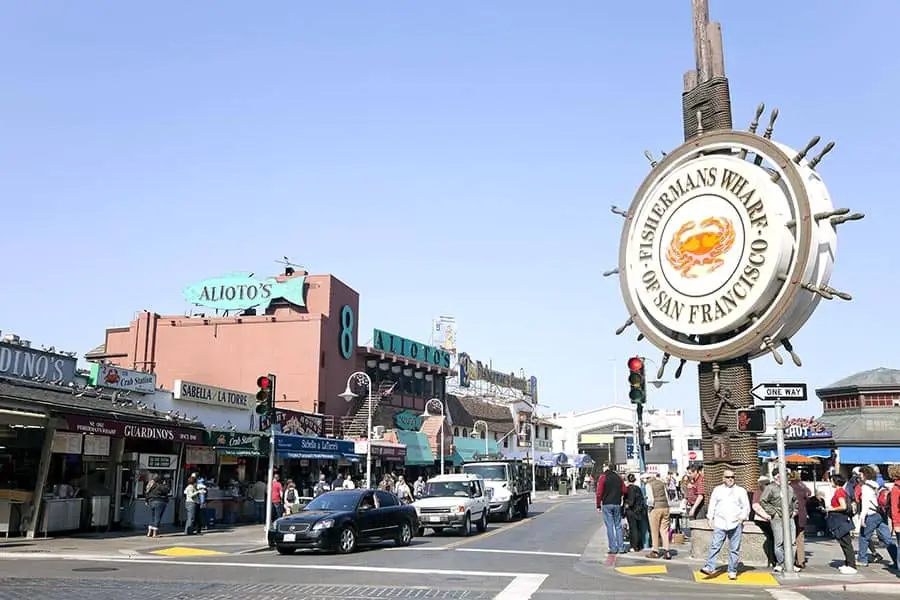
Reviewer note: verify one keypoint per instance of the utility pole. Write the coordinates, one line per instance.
(786, 519)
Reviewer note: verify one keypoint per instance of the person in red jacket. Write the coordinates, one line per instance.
(894, 499)
(610, 492)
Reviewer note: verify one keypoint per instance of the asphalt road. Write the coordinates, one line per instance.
(542, 557)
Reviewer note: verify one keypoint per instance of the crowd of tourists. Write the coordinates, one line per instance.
(864, 506)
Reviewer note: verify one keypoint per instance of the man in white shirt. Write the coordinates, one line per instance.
(729, 507)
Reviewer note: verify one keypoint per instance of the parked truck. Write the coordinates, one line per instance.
(509, 482)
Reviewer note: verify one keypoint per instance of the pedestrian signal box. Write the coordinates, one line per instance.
(751, 420)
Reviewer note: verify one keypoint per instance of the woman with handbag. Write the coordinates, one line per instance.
(156, 495)
(840, 524)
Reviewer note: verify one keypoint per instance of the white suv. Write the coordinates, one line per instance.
(454, 501)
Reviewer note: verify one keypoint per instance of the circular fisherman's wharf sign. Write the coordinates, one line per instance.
(717, 242)
(703, 246)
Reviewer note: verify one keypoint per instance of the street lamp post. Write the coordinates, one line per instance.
(485, 426)
(363, 378)
(441, 404)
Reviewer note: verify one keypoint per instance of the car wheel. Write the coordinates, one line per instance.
(284, 550)
(523, 508)
(347, 541)
(467, 525)
(405, 535)
(482, 523)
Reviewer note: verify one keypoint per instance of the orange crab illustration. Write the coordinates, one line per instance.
(704, 248)
(112, 376)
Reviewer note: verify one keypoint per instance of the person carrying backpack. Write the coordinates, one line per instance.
(894, 499)
(291, 498)
(873, 518)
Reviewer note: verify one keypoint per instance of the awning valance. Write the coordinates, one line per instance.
(313, 448)
(866, 455)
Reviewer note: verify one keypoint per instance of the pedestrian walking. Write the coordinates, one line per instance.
(873, 517)
(277, 501)
(156, 494)
(291, 498)
(658, 503)
(894, 499)
(769, 509)
(610, 493)
(321, 487)
(729, 507)
(191, 502)
(764, 525)
(635, 506)
(840, 525)
(402, 491)
(419, 487)
(803, 495)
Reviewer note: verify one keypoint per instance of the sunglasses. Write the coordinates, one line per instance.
(728, 476)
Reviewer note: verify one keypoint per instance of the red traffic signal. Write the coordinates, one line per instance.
(635, 363)
(264, 382)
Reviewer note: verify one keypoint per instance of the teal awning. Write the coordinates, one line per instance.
(418, 450)
(467, 449)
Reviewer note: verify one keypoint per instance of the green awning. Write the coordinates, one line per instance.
(418, 449)
(467, 449)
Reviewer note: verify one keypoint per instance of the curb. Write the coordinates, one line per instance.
(255, 550)
(866, 587)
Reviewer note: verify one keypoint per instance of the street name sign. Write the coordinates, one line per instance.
(780, 392)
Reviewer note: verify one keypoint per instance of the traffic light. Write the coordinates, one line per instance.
(751, 420)
(265, 399)
(637, 383)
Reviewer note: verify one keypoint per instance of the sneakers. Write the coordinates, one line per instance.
(778, 569)
(706, 572)
(847, 570)
(732, 576)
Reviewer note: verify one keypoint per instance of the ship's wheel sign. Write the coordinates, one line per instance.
(728, 246)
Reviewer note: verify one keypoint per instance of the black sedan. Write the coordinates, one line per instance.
(342, 519)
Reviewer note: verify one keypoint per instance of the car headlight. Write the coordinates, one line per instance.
(273, 526)
(323, 524)
(461, 509)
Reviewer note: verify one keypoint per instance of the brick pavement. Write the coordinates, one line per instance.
(103, 589)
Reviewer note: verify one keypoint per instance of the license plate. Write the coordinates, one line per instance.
(434, 519)
(289, 537)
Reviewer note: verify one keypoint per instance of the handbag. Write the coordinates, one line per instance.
(839, 524)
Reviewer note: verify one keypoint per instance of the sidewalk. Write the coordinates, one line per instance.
(823, 557)
(232, 539)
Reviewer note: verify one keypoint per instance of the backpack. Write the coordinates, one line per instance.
(291, 495)
(884, 502)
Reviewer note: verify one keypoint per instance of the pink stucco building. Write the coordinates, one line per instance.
(300, 344)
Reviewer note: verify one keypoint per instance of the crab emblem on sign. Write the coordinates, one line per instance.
(704, 248)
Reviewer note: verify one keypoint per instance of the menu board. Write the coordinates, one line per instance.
(96, 445)
(65, 442)
(200, 455)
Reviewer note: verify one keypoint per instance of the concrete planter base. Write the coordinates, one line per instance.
(752, 540)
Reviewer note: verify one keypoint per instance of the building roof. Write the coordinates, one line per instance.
(873, 379)
(866, 427)
(57, 399)
(492, 414)
(459, 416)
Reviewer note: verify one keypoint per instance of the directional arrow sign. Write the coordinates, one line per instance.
(780, 392)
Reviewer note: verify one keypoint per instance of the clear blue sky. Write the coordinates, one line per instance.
(440, 157)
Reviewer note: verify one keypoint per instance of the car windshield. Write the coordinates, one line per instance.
(451, 488)
(334, 502)
(490, 472)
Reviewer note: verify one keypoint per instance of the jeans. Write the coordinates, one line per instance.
(260, 506)
(190, 518)
(612, 519)
(734, 547)
(875, 524)
(277, 510)
(780, 542)
(157, 508)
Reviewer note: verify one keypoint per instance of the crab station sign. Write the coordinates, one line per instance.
(717, 243)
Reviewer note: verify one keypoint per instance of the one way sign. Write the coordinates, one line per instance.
(780, 392)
